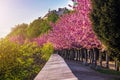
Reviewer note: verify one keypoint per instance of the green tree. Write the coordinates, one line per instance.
(67, 11)
(105, 17)
(53, 17)
(38, 27)
(19, 29)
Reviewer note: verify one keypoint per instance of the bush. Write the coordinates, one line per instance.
(19, 62)
(47, 50)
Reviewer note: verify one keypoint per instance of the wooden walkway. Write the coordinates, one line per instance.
(56, 69)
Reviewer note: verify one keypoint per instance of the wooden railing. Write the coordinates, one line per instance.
(91, 57)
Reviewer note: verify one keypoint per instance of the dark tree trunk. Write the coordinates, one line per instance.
(107, 60)
(85, 53)
(116, 65)
(90, 54)
(100, 58)
(95, 56)
(77, 55)
(68, 53)
(81, 55)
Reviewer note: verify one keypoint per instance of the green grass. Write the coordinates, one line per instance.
(116, 74)
(114, 79)
(108, 71)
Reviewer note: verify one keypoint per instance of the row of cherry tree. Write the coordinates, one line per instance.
(73, 30)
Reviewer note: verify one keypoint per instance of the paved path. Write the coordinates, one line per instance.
(83, 72)
(59, 69)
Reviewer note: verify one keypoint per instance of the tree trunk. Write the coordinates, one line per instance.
(81, 55)
(72, 54)
(88, 55)
(107, 60)
(116, 65)
(90, 58)
(75, 55)
(95, 56)
(68, 51)
(65, 53)
(85, 53)
(100, 58)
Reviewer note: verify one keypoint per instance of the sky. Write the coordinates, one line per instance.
(14, 12)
